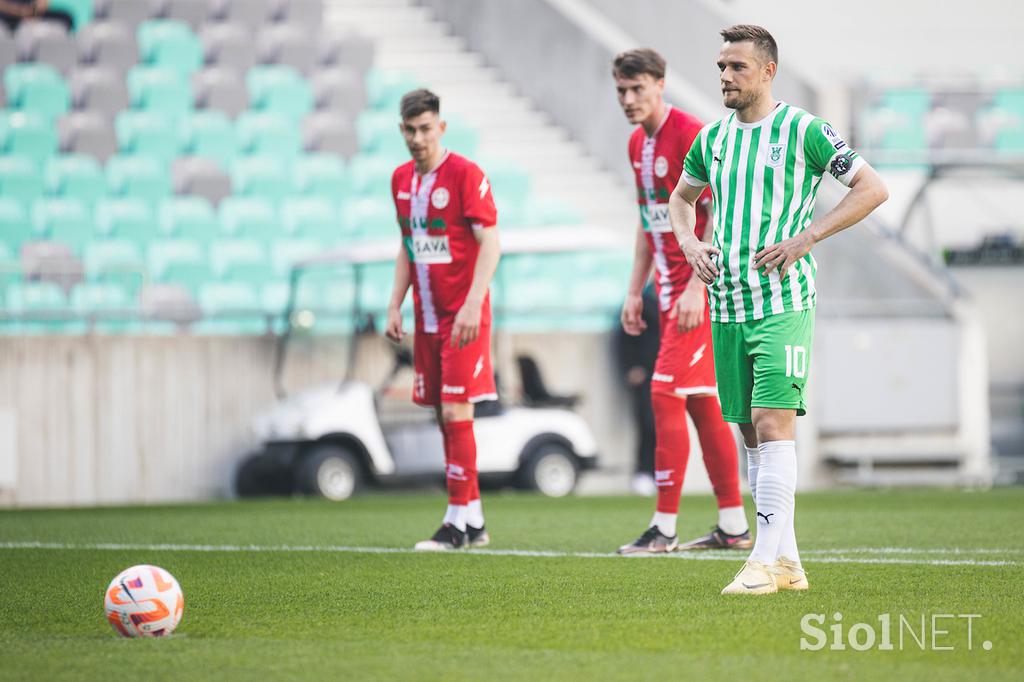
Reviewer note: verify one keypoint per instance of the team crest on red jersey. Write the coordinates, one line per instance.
(440, 198)
(661, 166)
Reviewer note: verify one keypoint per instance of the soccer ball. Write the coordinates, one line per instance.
(144, 601)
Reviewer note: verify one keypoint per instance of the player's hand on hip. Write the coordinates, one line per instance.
(688, 309)
(633, 315)
(467, 325)
(393, 330)
(784, 255)
(703, 258)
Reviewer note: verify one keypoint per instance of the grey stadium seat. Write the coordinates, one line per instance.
(228, 45)
(339, 89)
(88, 132)
(192, 12)
(347, 48)
(46, 42)
(131, 13)
(307, 13)
(289, 45)
(220, 89)
(98, 88)
(8, 55)
(251, 13)
(50, 261)
(196, 176)
(108, 44)
(171, 302)
(326, 131)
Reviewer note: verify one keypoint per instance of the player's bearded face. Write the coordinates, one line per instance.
(423, 135)
(639, 96)
(740, 75)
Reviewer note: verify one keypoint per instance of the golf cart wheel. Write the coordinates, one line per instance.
(330, 471)
(550, 470)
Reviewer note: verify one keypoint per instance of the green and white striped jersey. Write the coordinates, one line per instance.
(764, 177)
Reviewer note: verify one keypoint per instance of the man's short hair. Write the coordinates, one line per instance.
(419, 102)
(633, 63)
(761, 38)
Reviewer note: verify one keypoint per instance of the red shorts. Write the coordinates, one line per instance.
(450, 374)
(686, 361)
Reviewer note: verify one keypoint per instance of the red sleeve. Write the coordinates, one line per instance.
(477, 200)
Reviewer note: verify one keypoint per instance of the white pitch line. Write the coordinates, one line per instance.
(840, 555)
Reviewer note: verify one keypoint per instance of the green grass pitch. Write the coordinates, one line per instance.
(291, 589)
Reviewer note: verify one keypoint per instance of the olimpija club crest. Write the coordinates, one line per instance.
(776, 155)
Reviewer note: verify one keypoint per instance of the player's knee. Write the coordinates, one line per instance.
(456, 412)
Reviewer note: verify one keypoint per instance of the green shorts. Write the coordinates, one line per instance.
(763, 363)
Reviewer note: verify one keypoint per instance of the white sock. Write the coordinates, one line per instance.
(732, 520)
(776, 487)
(666, 523)
(456, 515)
(475, 514)
(753, 463)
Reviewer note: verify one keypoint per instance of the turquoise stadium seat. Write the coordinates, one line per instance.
(250, 217)
(115, 261)
(81, 11)
(268, 133)
(28, 134)
(10, 267)
(384, 89)
(179, 261)
(68, 221)
(375, 287)
(128, 218)
(460, 137)
(188, 218)
(38, 88)
(42, 307)
(15, 224)
(243, 260)
(209, 134)
(279, 89)
(370, 176)
(231, 308)
(108, 307)
(138, 176)
(160, 89)
(321, 175)
(20, 179)
(262, 176)
(171, 44)
(372, 219)
(379, 134)
(312, 218)
(285, 253)
(510, 185)
(147, 133)
(77, 176)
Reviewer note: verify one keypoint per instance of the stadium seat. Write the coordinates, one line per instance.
(8, 52)
(166, 307)
(306, 13)
(15, 226)
(243, 260)
(379, 134)
(220, 89)
(188, 218)
(46, 42)
(209, 134)
(285, 253)
(230, 309)
(131, 13)
(370, 176)
(10, 267)
(279, 89)
(68, 221)
(191, 12)
(228, 46)
(27, 134)
(88, 132)
(111, 45)
(510, 185)
(312, 218)
(385, 88)
(100, 89)
(326, 131)
(171, 44)
(81, 11)
(339, 89)
(115, 261)
(42, 306)
(202, 177)
(126, 218)
(178, 261)
(20, 179)
(371, 219)
(161, 89)
(37, 88)
(266, 133)
(460, 137)
(249, 217)
(147, 133)
(263, 176)
(252, 14)
(106, 306)
(287, 45)
(138, 176)
(346, 49)
(321, 175)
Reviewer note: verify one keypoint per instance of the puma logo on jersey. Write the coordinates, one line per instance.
(484, 186)
(698, 354)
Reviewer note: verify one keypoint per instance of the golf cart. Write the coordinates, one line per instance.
(333, 439)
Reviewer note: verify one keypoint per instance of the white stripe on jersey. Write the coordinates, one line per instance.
(647, 180)
(778, 194)
(418, 205)
(756, 209)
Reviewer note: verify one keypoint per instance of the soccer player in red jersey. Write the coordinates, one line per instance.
(684, 374)
(449, 253)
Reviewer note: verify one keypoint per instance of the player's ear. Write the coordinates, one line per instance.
(769, 70)
(442, 125)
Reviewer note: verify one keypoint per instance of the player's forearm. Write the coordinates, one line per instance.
(867, 192)
(682, 214)
(642, 261)
(486, 263)
(400, 284)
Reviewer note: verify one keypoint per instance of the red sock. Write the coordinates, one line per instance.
(671, 449)
(719, 449)
(460, 457)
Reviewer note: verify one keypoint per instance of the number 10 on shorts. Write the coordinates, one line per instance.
(796, 361)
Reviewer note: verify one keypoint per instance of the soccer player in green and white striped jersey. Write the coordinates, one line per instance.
(764, 162)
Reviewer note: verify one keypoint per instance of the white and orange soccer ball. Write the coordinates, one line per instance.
(144, 601)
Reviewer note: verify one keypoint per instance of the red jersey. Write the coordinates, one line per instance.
(658, 162)
(437, 213)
